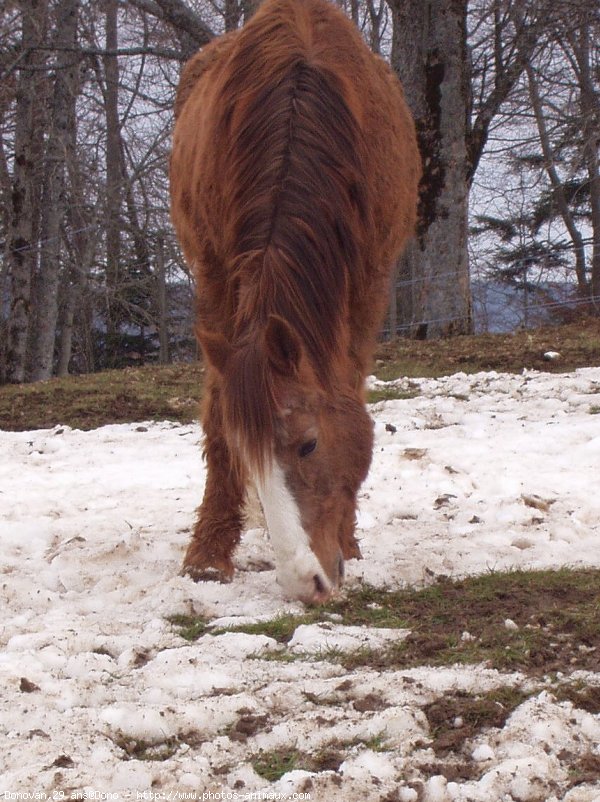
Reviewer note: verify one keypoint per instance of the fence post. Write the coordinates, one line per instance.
(526, 304)
(161, 291)
(393, 305)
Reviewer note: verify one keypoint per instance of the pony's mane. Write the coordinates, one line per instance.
(251, 404)
(293, 152)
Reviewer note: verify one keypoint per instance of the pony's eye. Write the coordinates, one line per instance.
(307, 448)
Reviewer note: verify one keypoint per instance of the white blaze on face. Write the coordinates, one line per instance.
(296, 563)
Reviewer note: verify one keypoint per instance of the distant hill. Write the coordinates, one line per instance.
(499, 307)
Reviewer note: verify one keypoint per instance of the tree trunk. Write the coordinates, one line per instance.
(232, 14)
(5, 194)
(113, 181)
(45, 296)
(139, 236)
(248, 8)
(590, 104)
(83, 224)
(76, 277)
(430, 56)
(22, 233)
(376, 17)
(67, 318)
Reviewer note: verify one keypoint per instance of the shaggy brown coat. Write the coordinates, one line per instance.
(294, 179)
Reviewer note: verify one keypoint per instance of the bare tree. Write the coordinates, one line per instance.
(191, 31)
(80, 248)
(555, 127)
(47, 276)
(25, 206)
(456, 76)
(85, 115)
(586, 66)
(430, 55)
(113, 173)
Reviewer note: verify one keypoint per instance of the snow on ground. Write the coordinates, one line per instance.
(93, 526)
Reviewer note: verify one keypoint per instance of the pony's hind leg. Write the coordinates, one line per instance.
(219, 525)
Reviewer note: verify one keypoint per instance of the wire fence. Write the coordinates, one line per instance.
(530, 293)
(501, 297)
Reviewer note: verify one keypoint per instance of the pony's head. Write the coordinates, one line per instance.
(306, 444)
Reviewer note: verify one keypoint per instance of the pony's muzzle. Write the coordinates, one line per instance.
(324, 588)
(322, 591)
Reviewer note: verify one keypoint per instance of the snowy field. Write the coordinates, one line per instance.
(93, 527)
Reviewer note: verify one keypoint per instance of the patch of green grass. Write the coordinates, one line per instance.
(359, 607)
(273, 765)
(190, 627)
(595, 410)
(282, 656)
(281, 628)
(499, 649)
(556, 615)
(390, 394)
(170, 392)
(578, 344)
(377, 744)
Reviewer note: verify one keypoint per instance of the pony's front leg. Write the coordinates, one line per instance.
(218, 529)
(346, 537)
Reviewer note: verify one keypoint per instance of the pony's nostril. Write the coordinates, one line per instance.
(319, 585)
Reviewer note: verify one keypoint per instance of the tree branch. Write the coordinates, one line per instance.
(191, 31)
(526, 42)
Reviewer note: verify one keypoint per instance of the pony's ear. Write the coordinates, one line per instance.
(284, 349)
(216, 349)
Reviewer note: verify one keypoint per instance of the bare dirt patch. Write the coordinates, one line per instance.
(584, 770)
(456, 718)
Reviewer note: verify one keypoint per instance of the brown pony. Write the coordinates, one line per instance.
(294, 179)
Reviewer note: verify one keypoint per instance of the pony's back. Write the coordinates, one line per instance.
(293, 161)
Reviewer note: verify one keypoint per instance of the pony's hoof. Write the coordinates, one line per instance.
(207, 574)
(202, 564)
